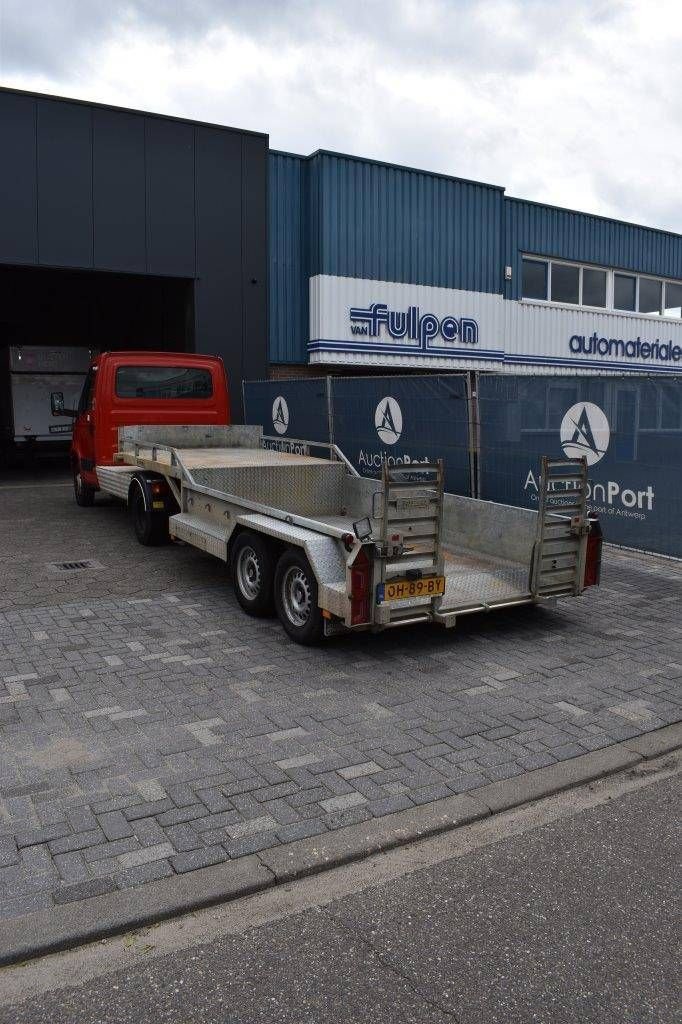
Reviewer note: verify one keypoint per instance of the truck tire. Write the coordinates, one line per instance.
(252, 565)
(83, 493)
(296, 598)
(151, 528)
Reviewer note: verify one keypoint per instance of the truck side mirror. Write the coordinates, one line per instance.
(57, 403)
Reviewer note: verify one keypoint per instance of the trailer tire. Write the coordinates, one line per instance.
(252, 565)
(296, 598)
(83, 493)
(151, 528)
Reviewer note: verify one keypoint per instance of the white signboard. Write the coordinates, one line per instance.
(386, 323)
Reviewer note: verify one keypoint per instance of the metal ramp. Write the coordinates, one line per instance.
(412, 511)
(558, 565)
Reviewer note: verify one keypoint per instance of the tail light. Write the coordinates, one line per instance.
(360, 586)
(593, 553)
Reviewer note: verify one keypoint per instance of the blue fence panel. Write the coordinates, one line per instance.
(403, 420)
(288, 409)
(629, 429)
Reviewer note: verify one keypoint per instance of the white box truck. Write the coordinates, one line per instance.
(32, 373)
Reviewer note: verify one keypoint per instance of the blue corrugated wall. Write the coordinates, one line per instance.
(342, 215)
(391, 223)
(334, 214)
(289, 258)
(549, 231)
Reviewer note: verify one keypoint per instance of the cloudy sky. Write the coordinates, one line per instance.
(572, 102)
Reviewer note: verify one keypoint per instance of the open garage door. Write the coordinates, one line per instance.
(54, 315)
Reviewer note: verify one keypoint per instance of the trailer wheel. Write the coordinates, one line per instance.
(252, 565)
(83, 493)
(296, 598)
(151, 528)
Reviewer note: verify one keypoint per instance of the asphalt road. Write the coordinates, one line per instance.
(569, 921)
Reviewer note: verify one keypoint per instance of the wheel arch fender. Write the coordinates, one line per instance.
(240, 528)
(138, 482)
(144, 482)
(324, 553)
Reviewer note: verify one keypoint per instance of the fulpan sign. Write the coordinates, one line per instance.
(387, 323)
(424, 329)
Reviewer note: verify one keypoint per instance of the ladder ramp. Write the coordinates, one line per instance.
(412, 508)
(559, 553)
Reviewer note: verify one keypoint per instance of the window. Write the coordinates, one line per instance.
(673, 299)
(624, 288)
(534, 279)
(572, 284)
(648, 406)
(559, 399)
(85, 400)
(671, 408)
(594, 287)
(565, 283)
(163, 382)
(650, 293)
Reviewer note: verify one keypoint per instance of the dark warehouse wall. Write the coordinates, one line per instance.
(98, 189)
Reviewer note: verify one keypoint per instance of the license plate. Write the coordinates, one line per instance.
(411, 504)
(400, 590)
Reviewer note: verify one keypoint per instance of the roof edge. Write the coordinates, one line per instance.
(387, 163)
(597, 216)
(130, 110)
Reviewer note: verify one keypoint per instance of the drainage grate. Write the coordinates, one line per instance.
(79, 565)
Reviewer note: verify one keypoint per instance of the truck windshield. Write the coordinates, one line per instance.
(163, 382)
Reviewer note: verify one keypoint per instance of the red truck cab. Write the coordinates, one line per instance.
(130, 388)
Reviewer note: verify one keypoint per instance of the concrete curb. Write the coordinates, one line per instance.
(74, 924)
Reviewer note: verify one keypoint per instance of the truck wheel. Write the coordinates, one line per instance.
(84, 494)
(252, 566)
(296, 598)
(151, 528)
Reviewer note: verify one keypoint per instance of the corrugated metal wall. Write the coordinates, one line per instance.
(94, 188)
(391, 223)
(548, 231)
(289, 258)
(345, 216)
(334, 214)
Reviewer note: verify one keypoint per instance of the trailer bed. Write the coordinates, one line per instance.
(469, 554)
(219, 458)
(479, 579)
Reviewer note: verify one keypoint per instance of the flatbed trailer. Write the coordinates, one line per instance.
(332, 551)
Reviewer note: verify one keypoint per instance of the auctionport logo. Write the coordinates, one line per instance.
(585, 431)
(388, 423)
(280, 415)
(388, 419)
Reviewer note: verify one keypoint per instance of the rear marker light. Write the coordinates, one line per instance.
(593, 553)
(360, 580)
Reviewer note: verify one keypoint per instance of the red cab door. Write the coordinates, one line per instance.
(83, 446)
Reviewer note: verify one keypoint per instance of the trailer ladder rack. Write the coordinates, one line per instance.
(558, 565)
(412, 508)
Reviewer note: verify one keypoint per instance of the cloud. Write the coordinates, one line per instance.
(573, 103)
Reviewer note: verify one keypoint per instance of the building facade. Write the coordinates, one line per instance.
(122, 229)
(380, 268)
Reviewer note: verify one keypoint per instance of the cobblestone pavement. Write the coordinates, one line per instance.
(147, 727)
